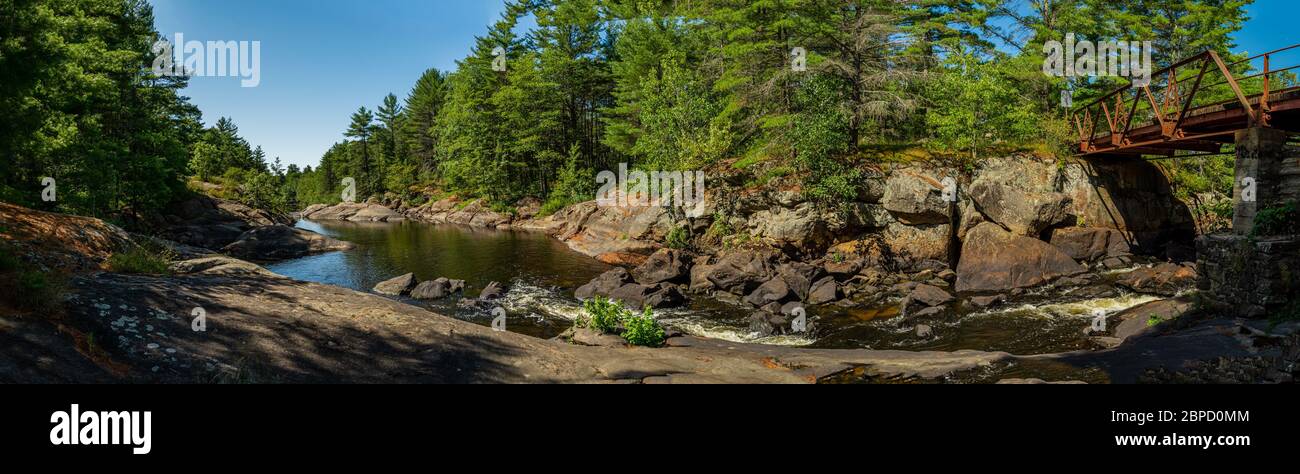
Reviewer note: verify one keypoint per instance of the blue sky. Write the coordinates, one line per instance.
(322, 59)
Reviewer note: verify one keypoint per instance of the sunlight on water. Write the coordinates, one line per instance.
(1080, 309)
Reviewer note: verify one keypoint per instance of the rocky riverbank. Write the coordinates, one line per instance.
(1018, 224)
(260, 327)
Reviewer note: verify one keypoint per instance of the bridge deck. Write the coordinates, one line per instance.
(1207, 128)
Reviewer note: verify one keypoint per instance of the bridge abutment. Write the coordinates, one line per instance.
(1246, 274)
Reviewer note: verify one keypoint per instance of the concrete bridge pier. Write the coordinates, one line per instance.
(1263, 177)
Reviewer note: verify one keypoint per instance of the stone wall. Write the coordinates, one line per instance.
(1251, 277)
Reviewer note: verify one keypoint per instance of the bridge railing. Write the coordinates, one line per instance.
(1108, 122)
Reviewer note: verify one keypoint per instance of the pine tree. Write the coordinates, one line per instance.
(362, 129)
(423, 106)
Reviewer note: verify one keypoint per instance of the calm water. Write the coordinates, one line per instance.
(541, 274)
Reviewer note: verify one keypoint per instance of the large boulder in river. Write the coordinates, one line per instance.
(280, 242)
(635, 295)
(604, 285)
(1089, 244)
(1166, 279)
(400, 286)
(617, 284)
(929, 296)
(774, 291)
(1019, 194)
(432, 289)
(993, 259)
(738, 272)
(376, 213)
(799, 277)
(825, 290)
(664, 266)
(913, 197)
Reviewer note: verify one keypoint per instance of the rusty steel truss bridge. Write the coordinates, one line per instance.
(1181, 111)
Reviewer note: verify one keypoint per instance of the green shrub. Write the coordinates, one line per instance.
(677, 238)
(140, 260)
(606, 315)
(1154, 321)
(1277, 220)
(603, 315)
(643, 330)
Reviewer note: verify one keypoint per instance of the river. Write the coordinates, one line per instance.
(540, 274)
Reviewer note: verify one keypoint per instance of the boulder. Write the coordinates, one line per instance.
(642, 296)
(213, 223)
(926, 312)
(1166, 279)
(400, 286)
(803, 227)
(766, 324)
(664, 266)
(996, 260)
(1019, 194)
(987, 301)
(929, 296)
(374, 212)
(843, 267)
(432, 290)
(1090, 244)
(799, 277)
(737, 273)
(604, 285)
(909, 246)
(775, 290)
(457, 286)
(280, 242)
(915, 198)
(825, 290)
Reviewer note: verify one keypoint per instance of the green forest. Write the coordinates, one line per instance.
(662, 85)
